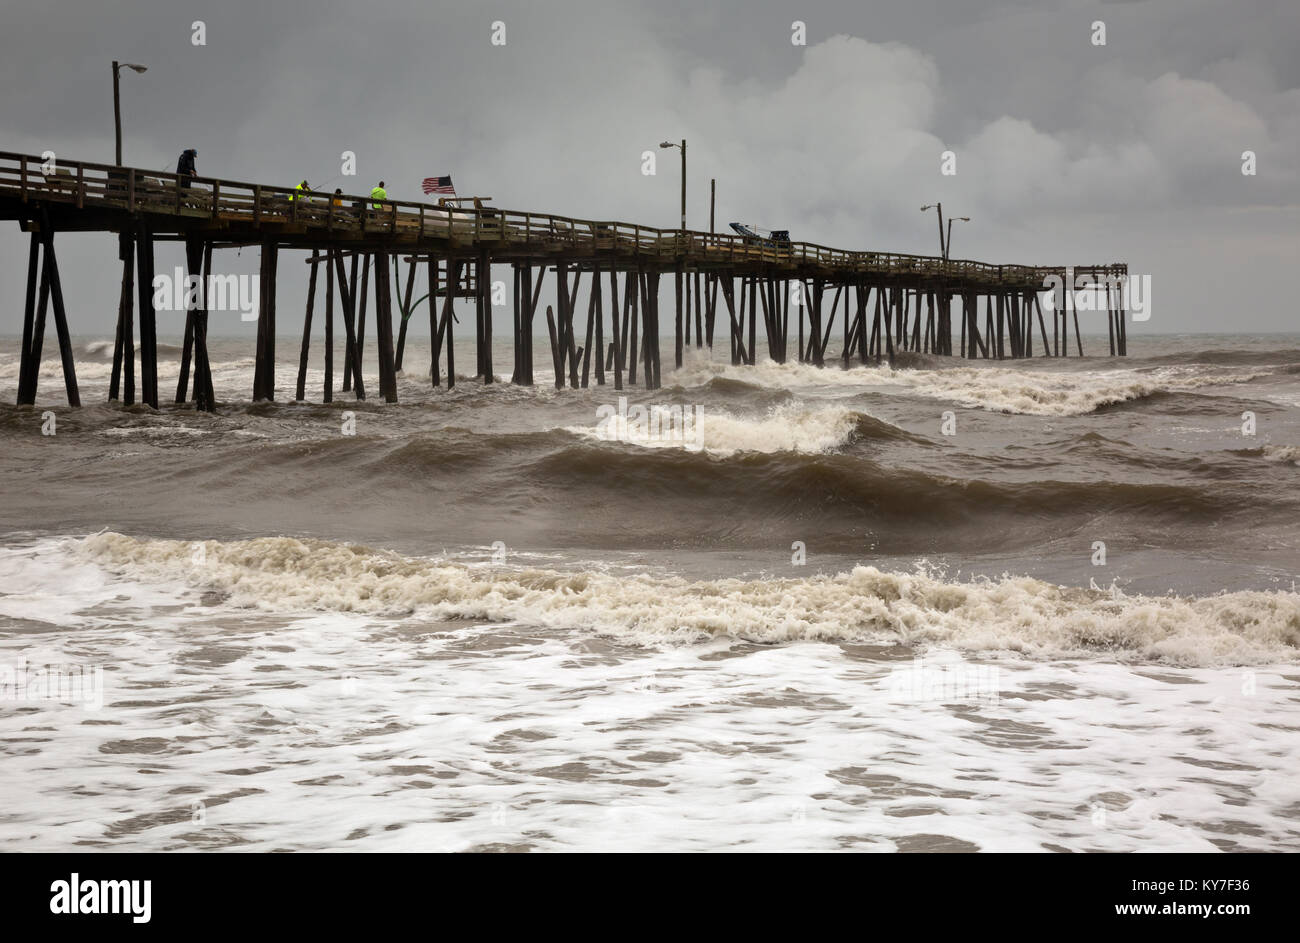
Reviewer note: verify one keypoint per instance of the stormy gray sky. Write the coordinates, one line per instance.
(1066, 152)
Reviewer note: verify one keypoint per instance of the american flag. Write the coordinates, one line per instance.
(439, 185)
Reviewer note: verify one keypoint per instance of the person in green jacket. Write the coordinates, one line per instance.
(301, 190)
(378, 193)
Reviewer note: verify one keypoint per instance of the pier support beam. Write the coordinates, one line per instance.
(353, 350)
(33, 339)
(444, 332)
(600, 326)
(264, 368)
(124, 346)
(51, 291)
(483, 313)
(384, 327)
(198, 263)
(357, 337)
(301, 392)
(678, 339)
(148, 319)
(327, 383)
(650, 327)
(405, 308)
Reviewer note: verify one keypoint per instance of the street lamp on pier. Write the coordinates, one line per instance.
(117, 102)
(683, 148)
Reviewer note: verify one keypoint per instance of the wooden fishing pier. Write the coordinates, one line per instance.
(885, 302)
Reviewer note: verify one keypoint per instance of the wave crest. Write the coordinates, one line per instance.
(1018, 614)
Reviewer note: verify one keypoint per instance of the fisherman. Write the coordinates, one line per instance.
(338, 196)
(378, 193)
(301, 190)
(185, 166)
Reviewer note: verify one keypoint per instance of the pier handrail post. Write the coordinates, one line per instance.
(392, 216)
(216, 197)
(257, 203)
(421, 236)
(81, 185)
(22, 175)
(130, 190)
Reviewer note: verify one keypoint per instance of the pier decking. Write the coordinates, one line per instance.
(891, 301)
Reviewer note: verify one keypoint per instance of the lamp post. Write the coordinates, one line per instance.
(948, 251)
(683, 147)
(117, 103)
(943, 249)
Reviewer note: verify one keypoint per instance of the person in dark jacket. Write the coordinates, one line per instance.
(185, 166)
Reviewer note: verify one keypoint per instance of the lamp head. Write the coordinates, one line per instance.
(667, 144)
(135, 68)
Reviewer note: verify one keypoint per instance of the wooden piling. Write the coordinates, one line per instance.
(301, 392)
(600, 326)
(699, 324)
(187, 349)
(114, 383)
(633, 288)
(484, 304)
(126, 320)
(615, 332)
(404, 307)
(348, 301)
(327, 393)
(27, 359)
(678, 338)
(384, 327)
(1074, 309)
(568, 343)
(591, 324)
(555, 322)
(444, 332)
(532, 294)
(51, 291)
(61, 326)
(656, 362)
(198, 263)
(148, 319)
(1123, 321)
(752, 347)
(711, 309)
(358, 317)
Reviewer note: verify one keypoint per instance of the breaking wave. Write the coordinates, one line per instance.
(919, 609)
(786, 428)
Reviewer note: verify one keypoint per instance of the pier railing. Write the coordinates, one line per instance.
(229, 203)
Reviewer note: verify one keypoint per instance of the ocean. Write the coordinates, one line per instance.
(1043, 605)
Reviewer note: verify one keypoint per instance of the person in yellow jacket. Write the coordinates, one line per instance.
(301, 190)
(378, 193)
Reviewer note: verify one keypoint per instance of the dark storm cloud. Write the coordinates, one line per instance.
(1066, 151)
